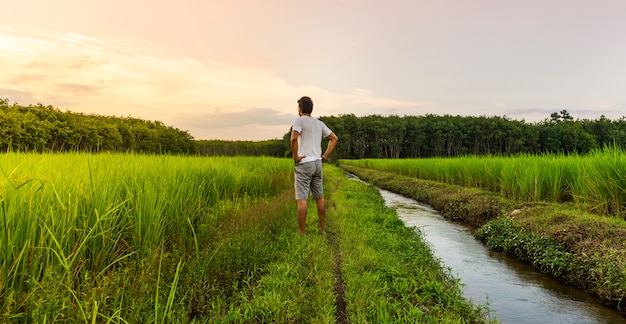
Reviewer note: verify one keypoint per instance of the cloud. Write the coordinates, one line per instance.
(365, 103)
(16, 96)
(531, 111)
(588, 111)
(224, 119)
(85, 74)
(76, 89)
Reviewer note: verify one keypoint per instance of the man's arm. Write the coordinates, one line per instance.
(332, 141)
(294, 146)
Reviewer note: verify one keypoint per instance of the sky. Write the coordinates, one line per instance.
(234, 69)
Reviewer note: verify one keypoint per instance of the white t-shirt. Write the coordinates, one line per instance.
(310, 140)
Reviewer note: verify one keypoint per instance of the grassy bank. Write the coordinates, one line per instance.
(114, 238)
(575, 246)
(593, 182)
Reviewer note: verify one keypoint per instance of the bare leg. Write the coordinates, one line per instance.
(302, 216)
(321, 213)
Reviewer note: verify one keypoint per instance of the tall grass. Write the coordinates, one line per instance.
(595, 182)
(72, 217)
(601, 184)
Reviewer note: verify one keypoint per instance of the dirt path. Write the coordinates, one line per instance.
(340, 302)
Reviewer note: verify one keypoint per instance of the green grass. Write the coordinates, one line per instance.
(73, 219)
(575, 247)
(123, 238)
(594, 182)
(389, 272)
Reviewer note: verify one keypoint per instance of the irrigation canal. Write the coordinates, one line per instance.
(514, 290)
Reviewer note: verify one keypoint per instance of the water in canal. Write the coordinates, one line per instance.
(514, 291)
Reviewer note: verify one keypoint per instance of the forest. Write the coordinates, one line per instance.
(274, 148)
(451, 136)
(40, 128)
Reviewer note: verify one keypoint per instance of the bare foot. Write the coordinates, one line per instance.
(323, 231)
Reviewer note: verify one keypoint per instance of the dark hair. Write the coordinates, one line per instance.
(306, 105)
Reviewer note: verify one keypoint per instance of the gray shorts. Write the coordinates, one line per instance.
(308, 177)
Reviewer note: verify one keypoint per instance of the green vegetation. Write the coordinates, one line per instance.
(124, 238)
(575, 246)
(593, 182)
(388, 270)
(275, 148)
(451, 136)
(79, 228)
(130, 238)
(42, 128)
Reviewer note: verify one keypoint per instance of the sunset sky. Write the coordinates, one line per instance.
(234, 69)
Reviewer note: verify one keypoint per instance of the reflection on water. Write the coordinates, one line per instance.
(513, 289)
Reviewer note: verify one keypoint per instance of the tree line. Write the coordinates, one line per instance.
(42, 128)
(273, 148)
(39, 128)
(430, 135)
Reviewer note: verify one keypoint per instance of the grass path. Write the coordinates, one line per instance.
(388, 272)
(340, 292)
(369, 268)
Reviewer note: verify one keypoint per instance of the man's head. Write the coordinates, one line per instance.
(306, 105)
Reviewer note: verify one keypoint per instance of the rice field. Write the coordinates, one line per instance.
(71, 218)
(123, 238)
(595, 182)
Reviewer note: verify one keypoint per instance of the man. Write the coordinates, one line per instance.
(306, 147)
